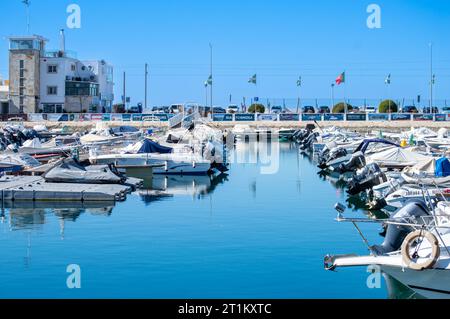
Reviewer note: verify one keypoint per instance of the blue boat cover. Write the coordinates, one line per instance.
(442, 167)
(365, 144)
(149, 146)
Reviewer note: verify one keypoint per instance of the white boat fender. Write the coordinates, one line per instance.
(166, 166)
(406, 250)
(193, 164)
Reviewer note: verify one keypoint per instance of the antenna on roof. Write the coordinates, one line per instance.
(27, 8)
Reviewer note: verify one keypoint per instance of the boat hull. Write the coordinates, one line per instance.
(429, 283)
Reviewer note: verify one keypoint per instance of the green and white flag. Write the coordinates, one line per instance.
(299, 81)
(388, 79)
(252, 79)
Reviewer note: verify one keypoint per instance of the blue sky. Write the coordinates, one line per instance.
(278, 40)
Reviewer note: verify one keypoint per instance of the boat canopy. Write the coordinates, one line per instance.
(431, 167)
(70, 171)
(442, 167)
(365, 144)
(35, 143)
(398, 155)
(148, 146)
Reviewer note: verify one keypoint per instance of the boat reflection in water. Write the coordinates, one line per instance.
(396, 290)
(32, 215)
(160, 187)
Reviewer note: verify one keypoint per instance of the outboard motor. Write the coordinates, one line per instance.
(356, 162)
(302, 136)
(368, 177)
(396, 234)
(309, 142)
(334, 154)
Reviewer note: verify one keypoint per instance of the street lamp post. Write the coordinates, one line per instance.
(332, 96)
(431, 77)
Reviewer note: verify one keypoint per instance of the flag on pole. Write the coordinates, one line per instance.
(299, 81)
(388, 79)
(252, 79)
(209, 81)
(341, 78)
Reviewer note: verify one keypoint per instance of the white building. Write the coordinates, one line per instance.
(66, 84)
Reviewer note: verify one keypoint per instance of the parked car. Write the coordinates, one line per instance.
(446, 110)
(409, 109)
(324, 109)
(232, 108)
(134, 109)
(276, 109)
(355, 109)
(176, 108)
(427, 109)
(308, 109)
(370, 109)
(219, 110)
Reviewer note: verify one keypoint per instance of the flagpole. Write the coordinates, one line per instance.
(345, 94)
(211, 73)
(431, 77)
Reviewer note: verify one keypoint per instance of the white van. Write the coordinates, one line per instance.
(232, 108)
(176, 108)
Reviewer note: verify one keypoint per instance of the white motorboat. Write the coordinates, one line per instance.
(416, 249)
(148, 153)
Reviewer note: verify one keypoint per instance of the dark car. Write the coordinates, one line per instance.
(427, 109)
(308, 109)
(324, 109)
(219, 110)
(355, 109)
(410, 109)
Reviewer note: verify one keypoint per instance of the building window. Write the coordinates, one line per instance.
(21, 91)
(22, 82)
(52, 90)
(21, 73)
(52, 69)
(73, 67)
(21, 64)
(81, 88)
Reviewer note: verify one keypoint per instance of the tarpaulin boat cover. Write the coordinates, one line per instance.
(149, 146)
(442, 167)
(397, 155)
(69, 171)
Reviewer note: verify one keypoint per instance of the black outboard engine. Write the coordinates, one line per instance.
(368, 177)
(333, 154)
(395, 234)
(302, 135)
(356, 162)
(307, 144)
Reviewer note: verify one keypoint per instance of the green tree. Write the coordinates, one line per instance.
(388, 106)
(256, 108)
(340, 108)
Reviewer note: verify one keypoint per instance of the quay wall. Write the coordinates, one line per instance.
(357, 125)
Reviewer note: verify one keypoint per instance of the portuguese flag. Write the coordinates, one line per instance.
(341, 78)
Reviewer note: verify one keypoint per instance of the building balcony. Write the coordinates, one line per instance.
(60, 54)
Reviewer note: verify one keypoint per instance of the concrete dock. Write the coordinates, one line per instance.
(357, 125)
(35, 188)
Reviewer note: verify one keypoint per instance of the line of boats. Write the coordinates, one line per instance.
(105, 156)
(406, 177)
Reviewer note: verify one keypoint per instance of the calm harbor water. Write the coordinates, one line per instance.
(244, 235)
